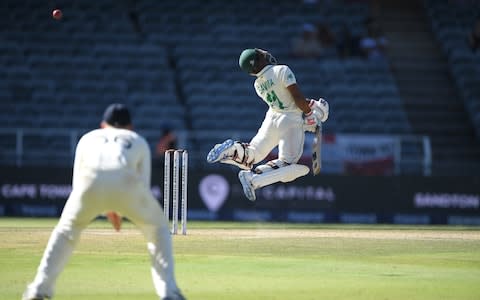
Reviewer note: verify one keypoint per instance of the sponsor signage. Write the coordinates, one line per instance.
(446, 200)
(214, 190)
(362, 154)
(326, 198)
(35, 191)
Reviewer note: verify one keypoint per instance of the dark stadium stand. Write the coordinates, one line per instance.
(424, 79)
(451, 24)
(179, 65)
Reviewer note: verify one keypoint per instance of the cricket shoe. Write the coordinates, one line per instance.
(27, 296)
(246, 181)
(177, 296)
(218, 152)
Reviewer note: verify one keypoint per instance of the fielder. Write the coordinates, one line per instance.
(111, 175)
(288, 116)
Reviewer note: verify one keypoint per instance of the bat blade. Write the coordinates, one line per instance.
(317, 150)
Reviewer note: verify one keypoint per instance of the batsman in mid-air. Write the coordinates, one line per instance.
(290, 114)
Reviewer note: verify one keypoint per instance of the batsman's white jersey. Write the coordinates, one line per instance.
(283, 124)
(271, 85)
(111, 173)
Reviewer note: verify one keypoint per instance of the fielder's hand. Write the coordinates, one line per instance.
(115, 219)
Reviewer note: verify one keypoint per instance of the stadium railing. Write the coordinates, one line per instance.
(409, 154)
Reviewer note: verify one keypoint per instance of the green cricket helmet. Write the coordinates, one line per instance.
(251, 58)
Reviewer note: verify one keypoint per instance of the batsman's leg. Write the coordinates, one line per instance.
(245, 155)
(290, 139)
(238, 154)
(220, 151)
(269, 173)
(277, 171)
(245, 178)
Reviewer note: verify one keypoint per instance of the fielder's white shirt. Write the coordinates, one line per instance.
(112, 149)
(271, 85)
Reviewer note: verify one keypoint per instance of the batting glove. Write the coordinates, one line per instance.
(310, 121)
(320, 109)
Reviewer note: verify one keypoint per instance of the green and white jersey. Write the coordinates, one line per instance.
(271, 85)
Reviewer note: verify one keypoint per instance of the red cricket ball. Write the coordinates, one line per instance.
(57, 14)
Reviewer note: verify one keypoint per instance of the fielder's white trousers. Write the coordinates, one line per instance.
(99, 192)
(284, 130)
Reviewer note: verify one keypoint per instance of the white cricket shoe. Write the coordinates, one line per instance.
(246, 181)
(218, 152)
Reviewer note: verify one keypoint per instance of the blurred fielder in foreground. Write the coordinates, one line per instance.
(111, 175)
(288, 116)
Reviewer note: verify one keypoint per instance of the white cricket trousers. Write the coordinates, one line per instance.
(284, 130)
(102, 191)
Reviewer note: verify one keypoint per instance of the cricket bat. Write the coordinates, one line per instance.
(317, 150)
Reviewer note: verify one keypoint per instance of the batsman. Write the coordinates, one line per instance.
(289, 115)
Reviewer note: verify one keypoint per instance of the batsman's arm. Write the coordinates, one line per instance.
(299, 98)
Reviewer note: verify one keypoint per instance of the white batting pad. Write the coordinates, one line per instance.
(232, 162)
(233, 153)
(283, 174)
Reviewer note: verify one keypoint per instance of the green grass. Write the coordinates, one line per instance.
(257, 261)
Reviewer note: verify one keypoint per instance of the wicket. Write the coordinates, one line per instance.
(179, 188)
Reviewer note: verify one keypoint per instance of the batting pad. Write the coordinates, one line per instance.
(283, 174)
(232, 162)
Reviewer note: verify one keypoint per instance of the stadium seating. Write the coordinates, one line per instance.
(181, 69)
(451, 23)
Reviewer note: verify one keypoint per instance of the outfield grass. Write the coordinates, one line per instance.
(256, 261)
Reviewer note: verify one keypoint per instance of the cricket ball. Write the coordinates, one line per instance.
(57, 14)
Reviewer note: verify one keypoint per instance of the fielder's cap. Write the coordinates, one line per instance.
(247, 60)
(117, 115)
